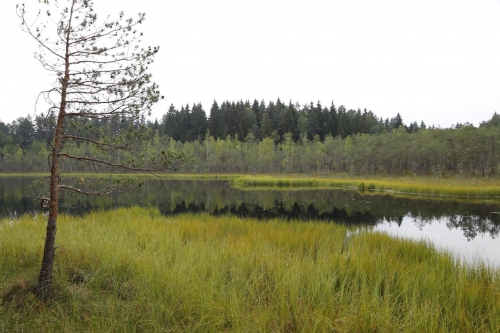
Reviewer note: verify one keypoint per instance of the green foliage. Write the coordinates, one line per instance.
(464, 153)
(266, 126)
(494, 121)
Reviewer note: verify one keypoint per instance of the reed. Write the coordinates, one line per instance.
(133, 270)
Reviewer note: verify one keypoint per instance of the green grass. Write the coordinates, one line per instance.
(477, 187)
(133, 270)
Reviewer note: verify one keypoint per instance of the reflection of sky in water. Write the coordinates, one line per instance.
(483, 246)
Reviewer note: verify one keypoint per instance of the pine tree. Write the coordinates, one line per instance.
(100, 73)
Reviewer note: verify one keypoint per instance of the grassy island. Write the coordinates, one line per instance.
(462, 187)
(133, 270)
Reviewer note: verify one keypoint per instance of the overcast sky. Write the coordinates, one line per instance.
(431, 60)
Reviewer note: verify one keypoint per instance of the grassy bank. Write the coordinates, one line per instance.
(476, 187)
(136, 271)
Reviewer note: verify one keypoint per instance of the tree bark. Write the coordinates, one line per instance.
(44, 285)
(45, 276)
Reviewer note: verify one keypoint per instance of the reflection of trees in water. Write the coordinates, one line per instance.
(12, 196)
(471, 225)
(474, 225)
(472, 218)
(217, 197)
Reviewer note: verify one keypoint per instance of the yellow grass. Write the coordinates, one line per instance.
(476, 187)
(133, 270)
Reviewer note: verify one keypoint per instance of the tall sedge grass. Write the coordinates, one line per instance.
(133, 270)
(418, 185)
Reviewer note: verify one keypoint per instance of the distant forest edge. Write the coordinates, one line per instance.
(241, 137)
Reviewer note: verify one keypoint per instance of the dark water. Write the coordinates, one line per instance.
(469, 227)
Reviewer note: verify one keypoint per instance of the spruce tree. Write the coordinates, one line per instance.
(265, 127)
(215, 119)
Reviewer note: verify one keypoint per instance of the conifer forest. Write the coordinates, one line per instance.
(260, 138)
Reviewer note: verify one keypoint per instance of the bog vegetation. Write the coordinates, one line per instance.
(458, 187)
(140, 271)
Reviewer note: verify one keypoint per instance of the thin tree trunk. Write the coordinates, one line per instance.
(43, 288)
(45, 276)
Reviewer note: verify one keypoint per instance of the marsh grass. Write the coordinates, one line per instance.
(477, 187)
(133, 270)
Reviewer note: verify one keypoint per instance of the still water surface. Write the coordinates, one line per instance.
(470, 228)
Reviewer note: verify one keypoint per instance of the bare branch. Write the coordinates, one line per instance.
(93, 193)
(123, 166)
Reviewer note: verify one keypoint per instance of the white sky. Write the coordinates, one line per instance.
(431, 60)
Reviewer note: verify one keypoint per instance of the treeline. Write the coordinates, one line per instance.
(364, 146)
(465, 151)
(26, 142)
(244, 121)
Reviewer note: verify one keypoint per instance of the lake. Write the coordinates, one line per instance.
(468, 227)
